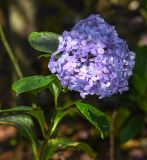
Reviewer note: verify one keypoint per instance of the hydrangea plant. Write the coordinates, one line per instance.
(90, 59)
(94, 60)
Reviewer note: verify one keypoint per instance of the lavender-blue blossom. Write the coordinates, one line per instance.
(93, 59)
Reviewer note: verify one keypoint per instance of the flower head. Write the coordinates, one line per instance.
(94, 60)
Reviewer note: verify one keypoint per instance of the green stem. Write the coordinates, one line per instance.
(10, 53)
(57, 117)
(34, 145)
(112, 136)
(45, 144)
(35, 152)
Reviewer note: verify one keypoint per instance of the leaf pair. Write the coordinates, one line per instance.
(35, 83)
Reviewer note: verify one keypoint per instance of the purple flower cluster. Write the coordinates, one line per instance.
(93, 59)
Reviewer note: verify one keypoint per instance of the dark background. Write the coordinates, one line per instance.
(20, 17)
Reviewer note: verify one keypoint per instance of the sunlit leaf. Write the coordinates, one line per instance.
(44, 41)
(95, 117)
(32, 84)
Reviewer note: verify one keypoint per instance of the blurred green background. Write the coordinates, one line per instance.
(20, 17)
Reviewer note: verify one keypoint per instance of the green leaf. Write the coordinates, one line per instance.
(36, 112)
(62, 143)
(24, 124)
(44, 41)
(55, 88)
(32, 84)
(95, 117)
(21, 121)
(131, 129)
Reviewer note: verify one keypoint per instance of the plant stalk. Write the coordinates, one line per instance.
(112, 137)
(10, 53)
(57, 116)
(49, 133)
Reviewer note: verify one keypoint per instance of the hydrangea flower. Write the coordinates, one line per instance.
(93, 59)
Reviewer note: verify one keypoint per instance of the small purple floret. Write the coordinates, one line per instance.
(94, 60)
